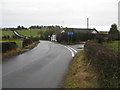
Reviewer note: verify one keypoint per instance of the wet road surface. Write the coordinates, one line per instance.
(42, 67)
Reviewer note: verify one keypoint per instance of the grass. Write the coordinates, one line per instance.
(10, 53)
(31, 32)
(28, 33)
(10, 33)
(114, 45)
(81, 74)
(31, 45)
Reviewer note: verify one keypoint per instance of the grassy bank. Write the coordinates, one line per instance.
(81, 74)
(11, 53)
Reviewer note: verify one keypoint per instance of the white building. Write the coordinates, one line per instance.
(53, 38)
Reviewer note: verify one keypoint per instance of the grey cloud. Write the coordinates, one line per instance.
(72, 12)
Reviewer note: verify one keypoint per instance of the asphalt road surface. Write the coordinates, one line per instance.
(42, 67)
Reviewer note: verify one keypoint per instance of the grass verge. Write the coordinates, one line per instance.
(81, 74)
(11, 53)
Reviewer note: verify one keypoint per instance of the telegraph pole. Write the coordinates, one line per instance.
(119, 15)
(87, 23)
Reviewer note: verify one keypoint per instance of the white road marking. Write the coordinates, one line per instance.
(72, 49)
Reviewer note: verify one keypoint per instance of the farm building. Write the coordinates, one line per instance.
(83, 30)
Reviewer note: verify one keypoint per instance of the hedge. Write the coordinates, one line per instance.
(105, 62)
(26, 42)
(7, 46)
(29, 41)
(35, 39)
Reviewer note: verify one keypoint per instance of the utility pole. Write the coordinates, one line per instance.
(87, 23)
(119, 15)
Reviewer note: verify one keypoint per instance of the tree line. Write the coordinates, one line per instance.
(113, 34)
(32, 27)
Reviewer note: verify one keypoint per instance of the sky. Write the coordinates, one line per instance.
(67, 13)
(119, 16)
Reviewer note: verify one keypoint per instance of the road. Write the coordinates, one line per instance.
(19, 35)
(42, 67)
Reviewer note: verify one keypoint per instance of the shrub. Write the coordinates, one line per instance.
(14, 37)
(6, 37)
(26, 42)
(35, 39)
(29, 41)
(105, 62)
(113, 37)
(6, 46)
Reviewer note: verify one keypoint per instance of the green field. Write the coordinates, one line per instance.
(31, 32)
(10, 33)
(27, 33)
(114, 45)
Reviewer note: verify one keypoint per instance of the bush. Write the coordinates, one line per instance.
(14, 37)
(76, 37)
(6, 46)
(105, 62)
(113, 37)
(29, 41)
(6, 37)
(35, 39)
(26, 42)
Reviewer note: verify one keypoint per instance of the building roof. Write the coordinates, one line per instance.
(83, 30)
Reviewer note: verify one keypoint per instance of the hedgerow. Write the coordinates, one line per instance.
(29, 41)
(6, 46)
(26, 42)
(105, 62)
